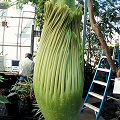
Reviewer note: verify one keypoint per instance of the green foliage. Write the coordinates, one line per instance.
(40, 14)
(22, 90)
(1, 78)
(93, 47)
(106, 12)
(2, 98)
(23, 94)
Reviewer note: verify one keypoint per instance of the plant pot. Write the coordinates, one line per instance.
(12, 109)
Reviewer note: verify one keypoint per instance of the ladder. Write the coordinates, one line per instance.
(103, 68)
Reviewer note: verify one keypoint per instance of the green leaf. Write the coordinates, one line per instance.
(3, 99)
(15, 88)
(12, 94)
(1, 80)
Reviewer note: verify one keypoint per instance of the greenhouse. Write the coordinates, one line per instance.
(59, 59)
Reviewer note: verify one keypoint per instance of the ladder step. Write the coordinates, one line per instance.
(92, 107)
(103, 56)
(103, 69)
(96, 95)
(113, 79)
(100, 82)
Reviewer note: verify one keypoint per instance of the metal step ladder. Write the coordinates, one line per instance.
(102, 69)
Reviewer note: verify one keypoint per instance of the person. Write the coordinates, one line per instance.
(26, 67)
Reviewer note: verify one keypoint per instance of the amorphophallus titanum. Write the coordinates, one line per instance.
(58, 72)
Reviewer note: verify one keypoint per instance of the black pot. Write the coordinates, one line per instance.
(12, 109)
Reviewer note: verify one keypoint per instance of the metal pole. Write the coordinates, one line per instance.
(85, 19)
(32, 40)
(3, 42)
(18, 38)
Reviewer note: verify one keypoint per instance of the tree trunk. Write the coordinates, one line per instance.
(96, 29)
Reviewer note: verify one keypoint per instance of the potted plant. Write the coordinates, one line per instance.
(21, 97)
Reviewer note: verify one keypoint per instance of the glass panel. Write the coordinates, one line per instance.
(25, 42)
(10, 37)
(13, 9)
(10, 52)
(12, 22)
(22, 51)
(0, 50)
(1, 35)
(1, 12)
(26, 25)
(28, 11)
(25, 36)
(17, 34)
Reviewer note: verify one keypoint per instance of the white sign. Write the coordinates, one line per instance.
(116, 89)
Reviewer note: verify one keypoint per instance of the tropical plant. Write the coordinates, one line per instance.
(105, 13)
(58, 73)
(23, 95)
(100, 35)
(23, 90)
